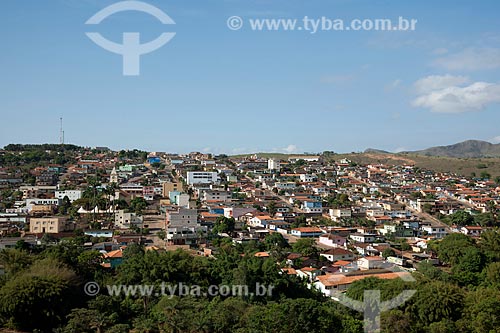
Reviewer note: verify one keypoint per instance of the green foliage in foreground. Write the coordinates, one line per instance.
(42, 291)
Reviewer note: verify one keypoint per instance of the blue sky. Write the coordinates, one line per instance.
(222, 91)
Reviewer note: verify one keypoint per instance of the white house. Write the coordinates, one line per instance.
(308, 273)
(319, 190)
(375, 212)
(210, 163)
(265, 177)
(370, 263)
(30, 203)
(333, 240)
(312, 207)
(363, 238)
(307, 158)
(201, 177)
(438, 232)
(285, 185)
(306, 232)
(336, 214)
(71, 194)
(307, 178)
(260, 221)
(472, 230)
(337, 254)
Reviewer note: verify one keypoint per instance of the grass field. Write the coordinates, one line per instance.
(461, 166)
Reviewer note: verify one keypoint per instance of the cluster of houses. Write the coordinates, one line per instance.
(353, 212)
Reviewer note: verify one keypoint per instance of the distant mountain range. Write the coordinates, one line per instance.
(376, 151)
(469, 148)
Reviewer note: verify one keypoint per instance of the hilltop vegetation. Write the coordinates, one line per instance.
(41, 147)
(461, 166)
(465, 149)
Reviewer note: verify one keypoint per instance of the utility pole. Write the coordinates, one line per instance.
(61, 132)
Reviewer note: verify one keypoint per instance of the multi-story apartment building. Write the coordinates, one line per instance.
(201, 177)
(125, 220)
(183, 228)
(36, 191)
(171, 187)
(50, 225)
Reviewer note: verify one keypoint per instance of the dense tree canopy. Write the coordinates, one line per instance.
(46, 285)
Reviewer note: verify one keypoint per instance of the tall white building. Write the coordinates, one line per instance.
(273, 164)
(201, 177)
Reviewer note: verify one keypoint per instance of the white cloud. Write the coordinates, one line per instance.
(290, 149)
(496, 139)
(400, 149)
(436, 82)
(242, 150)
(455, 99)
(471, 59)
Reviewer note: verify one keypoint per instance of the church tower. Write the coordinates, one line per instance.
(113, 178)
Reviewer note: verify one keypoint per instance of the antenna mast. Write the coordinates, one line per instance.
(61, 132)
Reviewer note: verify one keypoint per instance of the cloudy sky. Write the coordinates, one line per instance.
(217, 90)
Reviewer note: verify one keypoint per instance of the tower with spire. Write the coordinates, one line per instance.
(113, 178)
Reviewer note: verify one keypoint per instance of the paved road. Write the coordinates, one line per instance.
(281, 198)
(427, 217)
(421, 215)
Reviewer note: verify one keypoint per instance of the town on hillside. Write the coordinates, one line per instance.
(324, 223)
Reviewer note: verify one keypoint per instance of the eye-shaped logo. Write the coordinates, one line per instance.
(131, 49)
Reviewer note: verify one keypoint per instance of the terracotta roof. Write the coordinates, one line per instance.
(208, 214)
(289, 271)
(114, 254)
(471, 227)
(337, 251)
(372, 258)
(293, 256)
(308, 229)
(331, 280)
(308, 269)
